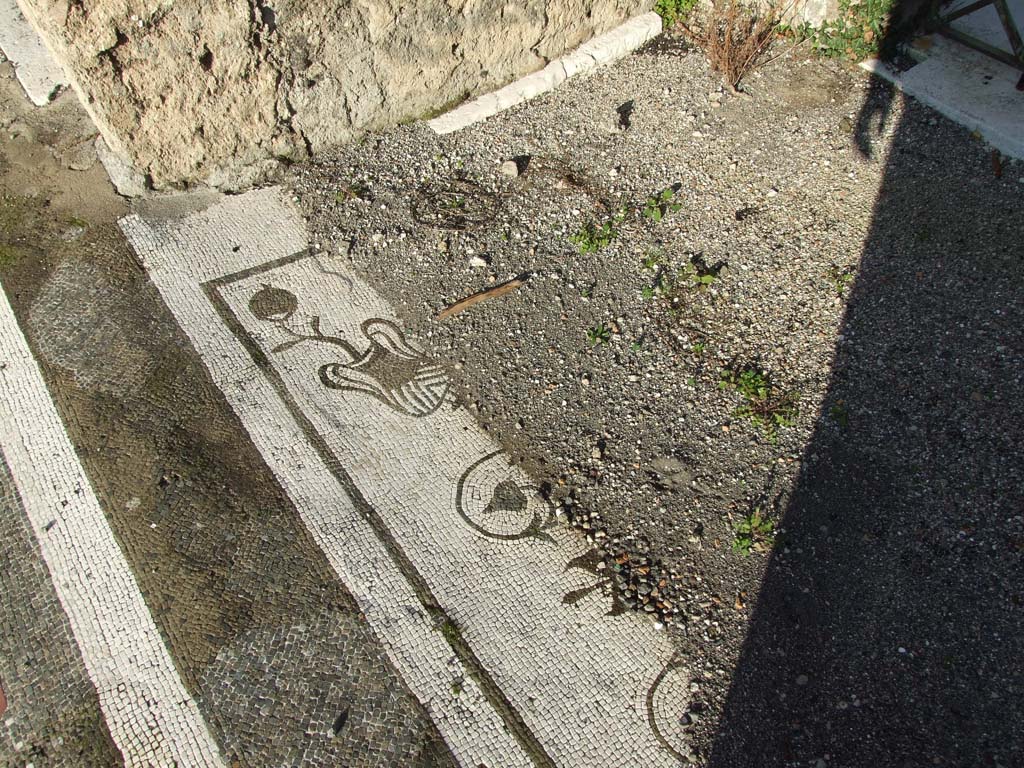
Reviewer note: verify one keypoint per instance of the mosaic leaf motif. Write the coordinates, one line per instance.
(492, 500)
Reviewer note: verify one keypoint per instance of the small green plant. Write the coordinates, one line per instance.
(856, 33)
(593, 238)
(636, 346)
(840, 278)
(700, 275)
(354, 190)
(840, 413)
(450, 631)
(764, 404)
(674, 12)
(695, 277)
(754, 533)
(699, 348)
(653, 260)
(660, 204)
(599, 334)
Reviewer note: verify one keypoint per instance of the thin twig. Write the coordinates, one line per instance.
(489, 293)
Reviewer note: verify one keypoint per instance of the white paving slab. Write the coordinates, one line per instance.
(500, 620)
(151, 717)
(968, 87)
(35, 68)
(965, 85)
(603, 49)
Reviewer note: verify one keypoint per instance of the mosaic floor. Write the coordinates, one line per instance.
(259, 530)
(498, 618)
(456, 620)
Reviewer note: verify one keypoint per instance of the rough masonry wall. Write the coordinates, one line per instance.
(219, 92)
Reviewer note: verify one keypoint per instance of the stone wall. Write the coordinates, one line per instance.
(222, 92)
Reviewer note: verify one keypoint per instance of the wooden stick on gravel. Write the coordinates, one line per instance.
(476, 298)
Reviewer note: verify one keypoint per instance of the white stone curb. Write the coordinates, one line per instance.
(35, 68)
(603, 49)
(151, 716)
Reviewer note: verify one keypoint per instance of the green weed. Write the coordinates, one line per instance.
(754, 533)
(840, 413)
(840, 278)
(700, 275)
(599, 334)
(450, 631)
(653, 260)
(593, 238)
(855, 34)
(674, 12)
(658, 205)
(766, 406)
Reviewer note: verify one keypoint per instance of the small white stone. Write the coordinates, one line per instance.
(510, 168)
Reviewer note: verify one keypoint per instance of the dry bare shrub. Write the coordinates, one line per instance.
(735, 36)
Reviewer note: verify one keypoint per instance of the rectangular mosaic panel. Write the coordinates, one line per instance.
(499, 618)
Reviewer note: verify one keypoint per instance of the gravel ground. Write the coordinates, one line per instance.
(873, 276)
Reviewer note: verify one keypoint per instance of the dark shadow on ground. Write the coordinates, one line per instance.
(889, 630)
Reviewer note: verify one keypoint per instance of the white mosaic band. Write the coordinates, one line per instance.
(151, 717)
(501, 621)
